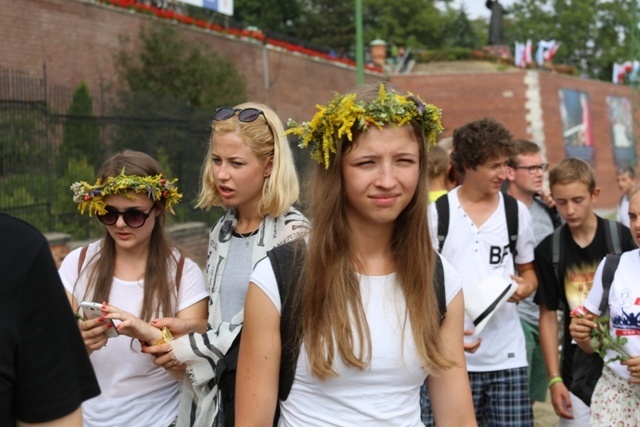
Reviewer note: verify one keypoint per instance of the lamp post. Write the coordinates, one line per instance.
(359, 46)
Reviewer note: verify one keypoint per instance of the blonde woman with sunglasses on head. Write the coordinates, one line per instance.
(132, 275)
(249, 171)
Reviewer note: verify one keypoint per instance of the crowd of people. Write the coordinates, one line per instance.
(421, 286)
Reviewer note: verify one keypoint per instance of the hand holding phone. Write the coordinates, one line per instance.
(93, 310)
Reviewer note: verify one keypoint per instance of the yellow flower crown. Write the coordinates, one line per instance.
(337, 119)
(155, 187)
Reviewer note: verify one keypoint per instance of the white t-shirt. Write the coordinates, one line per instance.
(624, 306)
(623, 211)
(386, 393)
(134, 391)
(478, 253)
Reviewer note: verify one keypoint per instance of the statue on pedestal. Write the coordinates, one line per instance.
(496, 23)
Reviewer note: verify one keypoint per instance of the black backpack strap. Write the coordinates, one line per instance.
(609, 270)
(612, 233)
(511, 213)
(442, 206)
(440, 289)
(287, 261)
(556, 253)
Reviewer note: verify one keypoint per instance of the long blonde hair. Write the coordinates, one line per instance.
(160, 293)
(280, 189)
(331, 309)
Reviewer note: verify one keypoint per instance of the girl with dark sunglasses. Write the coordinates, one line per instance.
(249, 171)
(137, 269)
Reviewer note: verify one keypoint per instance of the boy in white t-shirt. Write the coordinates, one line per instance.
(477, 244)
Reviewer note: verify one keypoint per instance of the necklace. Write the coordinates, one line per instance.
(247, 236)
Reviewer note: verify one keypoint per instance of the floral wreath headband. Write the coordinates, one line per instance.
(337, 118)
(155, 187)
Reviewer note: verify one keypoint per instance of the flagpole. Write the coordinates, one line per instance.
(359, 46)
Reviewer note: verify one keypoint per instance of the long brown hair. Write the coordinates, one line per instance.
(160, 293)
(333, 318)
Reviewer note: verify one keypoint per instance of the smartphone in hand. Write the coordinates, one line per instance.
(92, 310)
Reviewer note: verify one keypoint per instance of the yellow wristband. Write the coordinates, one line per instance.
(554, 380)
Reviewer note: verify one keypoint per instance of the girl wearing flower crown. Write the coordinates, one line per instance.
(249, 171)
(370, 331)
(136, 268)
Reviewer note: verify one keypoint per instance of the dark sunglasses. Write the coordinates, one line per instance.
(245, 115)
(132, 217)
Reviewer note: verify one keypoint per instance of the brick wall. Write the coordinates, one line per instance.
(504, 97)
(76, 40)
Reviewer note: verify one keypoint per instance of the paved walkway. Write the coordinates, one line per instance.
(544, 415)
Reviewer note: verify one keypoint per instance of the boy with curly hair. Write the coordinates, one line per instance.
(478, 245)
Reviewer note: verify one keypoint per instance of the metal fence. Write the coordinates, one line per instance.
(46, 143)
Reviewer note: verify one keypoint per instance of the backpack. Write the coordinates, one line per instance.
(554, 216)
(510, 210)
(588, 367)
(287, 261)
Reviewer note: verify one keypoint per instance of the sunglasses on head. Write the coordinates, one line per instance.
(245, 115)
(132, 217)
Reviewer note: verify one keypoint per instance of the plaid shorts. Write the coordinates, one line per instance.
(500, 398)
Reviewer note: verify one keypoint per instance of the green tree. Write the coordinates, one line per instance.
(268, 15)
(412, 23)
(329, 24)
(462, 33)
(23, 141)
(81, 132)
(592, 34)
(167, 65)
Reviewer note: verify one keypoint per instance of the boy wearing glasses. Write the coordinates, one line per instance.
(524, 182)
(580, 245)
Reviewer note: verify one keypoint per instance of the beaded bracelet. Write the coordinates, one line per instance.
(554, 380)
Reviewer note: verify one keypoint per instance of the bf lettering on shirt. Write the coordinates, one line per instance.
(497, 254)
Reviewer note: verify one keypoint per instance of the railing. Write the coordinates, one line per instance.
(36, 168)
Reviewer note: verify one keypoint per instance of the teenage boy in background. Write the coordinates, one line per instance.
(580, 244)
(626, 181)
(478, 245)
(525, 177)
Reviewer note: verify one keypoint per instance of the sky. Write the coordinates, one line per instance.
(477, 8)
